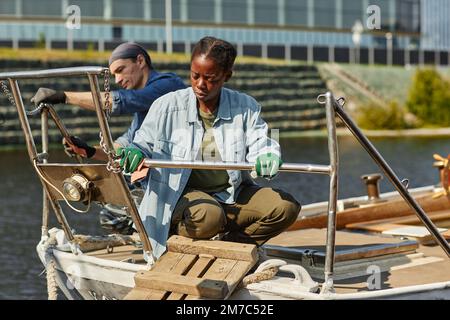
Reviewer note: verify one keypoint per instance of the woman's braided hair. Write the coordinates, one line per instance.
(221, 51)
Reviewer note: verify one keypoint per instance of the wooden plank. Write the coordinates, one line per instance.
(373, 226)
(411, 231)
(219, 270)
(235, 276)
(180, 273)
(219, 249)
(168, 261)
(420, 234)
(138, 294)
(121, 253)
(197, 271)
(203, 287)
(390, 209)
(171, 263)
(436, 216)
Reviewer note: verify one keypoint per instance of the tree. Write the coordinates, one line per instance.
(429, 97)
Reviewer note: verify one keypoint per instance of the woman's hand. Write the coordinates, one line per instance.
(130, 158)
(267, 165)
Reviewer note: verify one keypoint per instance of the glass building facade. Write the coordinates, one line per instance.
(278, 22)
(435, 24)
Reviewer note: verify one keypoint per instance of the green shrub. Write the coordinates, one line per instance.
(40, 43)
(90, 47)
(375, 117)
(429, 97)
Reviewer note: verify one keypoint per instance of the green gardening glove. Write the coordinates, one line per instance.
(130, 158)
(267, 165)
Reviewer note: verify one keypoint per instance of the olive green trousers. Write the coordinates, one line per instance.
(257, 215)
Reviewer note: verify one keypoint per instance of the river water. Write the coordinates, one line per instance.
(21, 196)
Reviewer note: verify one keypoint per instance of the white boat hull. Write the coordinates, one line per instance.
(89, 278)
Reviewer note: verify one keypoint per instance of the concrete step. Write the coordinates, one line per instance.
(287, 95)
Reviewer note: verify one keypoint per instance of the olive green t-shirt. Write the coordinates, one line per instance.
(210, 181)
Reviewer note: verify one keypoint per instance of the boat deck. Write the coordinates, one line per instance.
(435, 268)
(411, 264)
(429, 264)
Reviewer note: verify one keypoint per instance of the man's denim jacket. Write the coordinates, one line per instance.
(137, 102)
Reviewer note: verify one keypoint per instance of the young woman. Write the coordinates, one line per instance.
(208, 122)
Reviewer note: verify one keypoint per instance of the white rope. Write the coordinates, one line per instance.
(265, 271)
(50, 266)
(62, 194)
(52, 286)
(260, 276)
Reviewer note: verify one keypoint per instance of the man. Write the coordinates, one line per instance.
(142, 84)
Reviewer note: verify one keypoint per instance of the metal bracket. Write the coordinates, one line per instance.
(308, 258)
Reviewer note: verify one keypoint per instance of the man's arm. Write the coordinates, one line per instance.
(84, 99)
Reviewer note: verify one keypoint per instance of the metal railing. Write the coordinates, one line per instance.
(333, 108)
(92, 74)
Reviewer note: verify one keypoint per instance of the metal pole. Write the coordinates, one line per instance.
(389, 49)
(169, 26)
(60, 72)
(333, 193)
(285, 167)
(104, 128)
(376, 156)
(44, 137)
(31, 147)
(33, 155)
(60, 126)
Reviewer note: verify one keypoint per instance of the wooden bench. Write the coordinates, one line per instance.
(195, 269)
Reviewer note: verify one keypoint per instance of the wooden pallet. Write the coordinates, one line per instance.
(195, 269)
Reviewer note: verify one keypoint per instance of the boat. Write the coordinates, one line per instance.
(375, 246)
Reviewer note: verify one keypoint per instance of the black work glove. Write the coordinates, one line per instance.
(46, 95)
(78, 147)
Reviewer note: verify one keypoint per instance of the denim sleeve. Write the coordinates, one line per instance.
(258, 141)
(144, 138)
(140, 100)
(125, 139)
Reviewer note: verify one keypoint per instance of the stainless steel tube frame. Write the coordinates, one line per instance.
(31, 147)
(107, 139)
(285, 167)
(328, 285)
(376, 156)
(61, 72)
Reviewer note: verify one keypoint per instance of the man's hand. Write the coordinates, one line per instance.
(45, 95)
(267, 165)
(130, 158)
(78, 147)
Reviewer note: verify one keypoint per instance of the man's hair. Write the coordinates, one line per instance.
(130, 50)
(221, 51)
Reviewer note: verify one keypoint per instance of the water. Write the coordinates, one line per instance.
(21, 196)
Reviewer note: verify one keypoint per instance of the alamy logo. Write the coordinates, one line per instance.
(374, 19)
(374, 280)
(73, 20)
